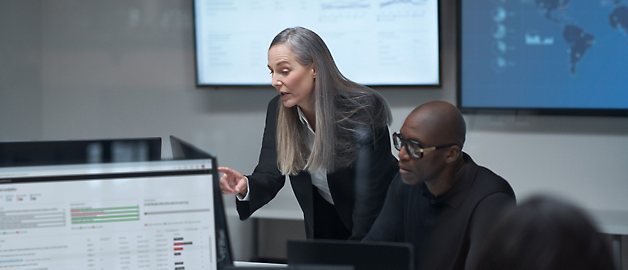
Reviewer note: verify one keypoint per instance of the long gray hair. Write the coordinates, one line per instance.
(344, 110)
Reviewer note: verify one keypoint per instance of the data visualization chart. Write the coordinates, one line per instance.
(108, 214)
(145, 222)
(374, 42)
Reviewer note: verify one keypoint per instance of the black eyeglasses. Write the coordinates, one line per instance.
(413, 148)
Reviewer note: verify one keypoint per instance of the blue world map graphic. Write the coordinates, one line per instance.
(579, 40)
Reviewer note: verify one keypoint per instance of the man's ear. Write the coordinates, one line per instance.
(453, 154)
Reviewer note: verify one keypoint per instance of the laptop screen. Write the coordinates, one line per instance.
(140, 215)
(362, 256)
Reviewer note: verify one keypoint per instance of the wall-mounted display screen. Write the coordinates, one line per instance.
(545, 56)
(374, 42)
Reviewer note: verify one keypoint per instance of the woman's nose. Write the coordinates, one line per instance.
(275, 82)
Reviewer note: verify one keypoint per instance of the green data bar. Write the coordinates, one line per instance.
(104, 217)
(103, 221)
(109, 214)
(109, 208)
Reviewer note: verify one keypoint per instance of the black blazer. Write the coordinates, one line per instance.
(358, 191)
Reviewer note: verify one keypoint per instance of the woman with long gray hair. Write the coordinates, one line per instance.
(327, 134)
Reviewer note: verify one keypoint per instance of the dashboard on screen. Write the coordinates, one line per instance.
(140, 215)
(545, 56)
(373, 42)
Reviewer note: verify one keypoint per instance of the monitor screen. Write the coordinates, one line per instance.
(57, 152)
(140, 215)
(388, 42)
(543, 56)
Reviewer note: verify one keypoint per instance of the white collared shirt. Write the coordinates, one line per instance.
(319, 179)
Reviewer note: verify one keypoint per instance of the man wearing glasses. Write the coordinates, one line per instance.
(441, 201)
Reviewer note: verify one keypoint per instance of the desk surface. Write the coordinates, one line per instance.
(611, 222)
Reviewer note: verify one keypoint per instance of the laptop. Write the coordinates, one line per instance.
(57, 152)
(293, 267)
(362, 256)
(133, 215)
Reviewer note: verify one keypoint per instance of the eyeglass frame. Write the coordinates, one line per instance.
(421, 150)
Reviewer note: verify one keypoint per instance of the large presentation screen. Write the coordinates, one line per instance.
(374, 42)
(566, 57)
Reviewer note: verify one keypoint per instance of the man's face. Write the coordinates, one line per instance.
(427, 168)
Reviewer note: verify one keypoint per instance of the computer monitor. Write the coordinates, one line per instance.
(56, 152)
(185, 150)
(362, 256)
(137, 215)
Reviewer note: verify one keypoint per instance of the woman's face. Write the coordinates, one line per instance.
(294, 81)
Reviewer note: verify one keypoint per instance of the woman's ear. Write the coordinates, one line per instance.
(313, 71)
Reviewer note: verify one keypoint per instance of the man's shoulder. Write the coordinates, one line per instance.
(483, 178)
(487, 182)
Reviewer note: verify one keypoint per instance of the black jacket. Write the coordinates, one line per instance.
(369, 176)
(447, 231)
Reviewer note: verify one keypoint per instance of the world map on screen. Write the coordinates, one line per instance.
(576, 37)
(544, 54)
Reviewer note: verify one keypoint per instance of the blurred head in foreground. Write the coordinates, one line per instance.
(545, 233)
